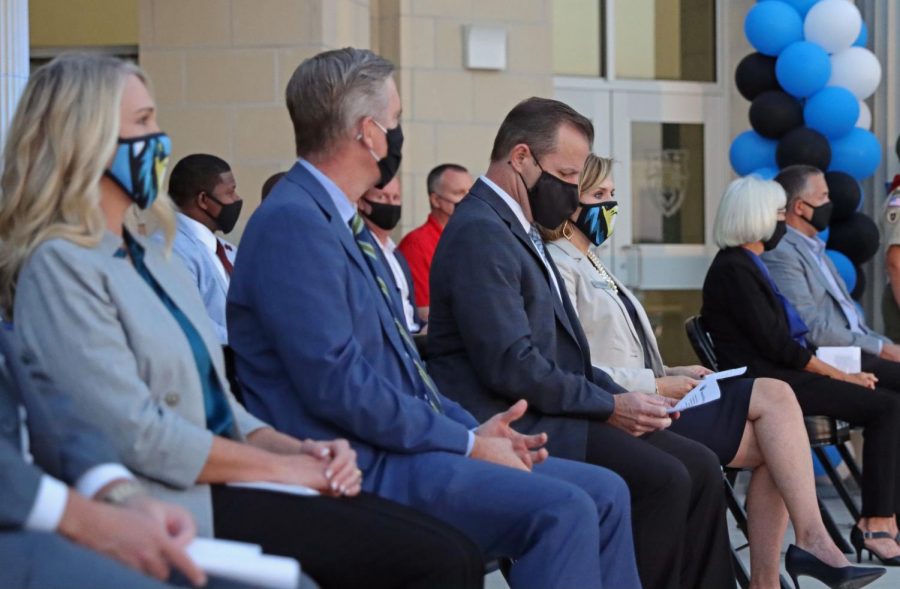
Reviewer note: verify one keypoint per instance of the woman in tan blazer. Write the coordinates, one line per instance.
(757, 423)
(116, 321)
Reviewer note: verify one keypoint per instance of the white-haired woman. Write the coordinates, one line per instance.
(753, 325)
(756, 424)
(118, 323)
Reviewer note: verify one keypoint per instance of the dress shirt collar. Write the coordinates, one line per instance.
(815, 245)
(510, 202)
(343, 205)
(200, 231)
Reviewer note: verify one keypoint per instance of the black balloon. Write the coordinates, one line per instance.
(755, 75)
(856, 238)
(860, 287)
(774, 113)
(803, 146)
(844, 192)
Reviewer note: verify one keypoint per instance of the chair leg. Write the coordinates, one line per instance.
(838, 483)
(851, 463)
(740, 572)
(833, 529)
(734, 506)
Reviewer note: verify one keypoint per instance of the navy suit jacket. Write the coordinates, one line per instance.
(498, 331)
(316, 348)
(62, 443)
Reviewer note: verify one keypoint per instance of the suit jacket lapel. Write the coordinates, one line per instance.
(569, 318)
(811, 261)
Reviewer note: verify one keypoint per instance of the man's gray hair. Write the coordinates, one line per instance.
(329, 93)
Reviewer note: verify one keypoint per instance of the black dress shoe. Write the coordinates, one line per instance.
(799, 562)
(858, 539)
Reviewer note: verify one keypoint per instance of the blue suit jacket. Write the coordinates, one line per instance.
(315, 344)
(203, 267)
(62, 444)
(498, 332)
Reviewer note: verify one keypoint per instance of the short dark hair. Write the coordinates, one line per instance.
(270, 183)
(793, 180)
(434, 176)
(330, 92)
(535, 122)
(195, 173)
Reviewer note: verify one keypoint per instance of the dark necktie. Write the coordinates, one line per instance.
(368, 250)
(223, 257)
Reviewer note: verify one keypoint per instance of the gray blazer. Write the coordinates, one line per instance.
(794, 269)
(202, 265)
(103, 334)
(612, 336)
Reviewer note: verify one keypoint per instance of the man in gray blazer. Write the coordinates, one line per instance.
(808, 278)
(70, 515)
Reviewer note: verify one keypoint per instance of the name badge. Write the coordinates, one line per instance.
(600, 284)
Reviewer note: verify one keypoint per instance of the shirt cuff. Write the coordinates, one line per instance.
(49, 505)
(471, 443)
(99, 476)
(880, 347)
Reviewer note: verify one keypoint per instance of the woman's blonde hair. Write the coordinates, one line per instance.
(61, 139)
(596, 169)
(748, 212)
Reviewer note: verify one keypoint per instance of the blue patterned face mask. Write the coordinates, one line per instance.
(598, 220)
(140, 165)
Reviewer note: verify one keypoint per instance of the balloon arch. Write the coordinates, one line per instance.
(807, 84)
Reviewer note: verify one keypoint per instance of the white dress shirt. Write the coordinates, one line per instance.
(409, 312)
(520, 215)
(209, 240)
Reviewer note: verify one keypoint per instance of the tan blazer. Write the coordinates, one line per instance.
(105, 338)
(611, 335)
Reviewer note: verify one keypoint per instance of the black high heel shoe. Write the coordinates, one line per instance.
(858, 539)
(799, 562)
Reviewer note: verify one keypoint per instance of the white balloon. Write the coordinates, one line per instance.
(865, 116)
(832, 24)
(856, 69)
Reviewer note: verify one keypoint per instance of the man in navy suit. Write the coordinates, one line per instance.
(321, 351)
(502, 328)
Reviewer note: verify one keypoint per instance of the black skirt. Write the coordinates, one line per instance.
(719, 425)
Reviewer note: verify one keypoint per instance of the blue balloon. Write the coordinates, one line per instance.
(801, 6)
(765, 173)
(751, 151)
(863, 36)
(823, 235)
(857, 153)
(831, 111)
(771, 26)
(844, 267)
(803, 69)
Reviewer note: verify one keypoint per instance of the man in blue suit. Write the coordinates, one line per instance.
(320, 351)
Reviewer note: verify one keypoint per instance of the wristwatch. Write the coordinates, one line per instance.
(121, 493)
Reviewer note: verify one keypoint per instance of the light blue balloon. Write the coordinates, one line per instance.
(751, 151)
(823, 235)
(831, 111)
(844, 267)
(771, 26)
(857, 153)
(801, 6)
(803, 69)
(765, 173)
(863, 36)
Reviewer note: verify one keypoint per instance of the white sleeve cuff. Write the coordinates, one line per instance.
(100, 476)
(471, 443)
(49, 505)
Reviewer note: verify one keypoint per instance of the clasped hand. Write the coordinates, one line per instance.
(640, 413)
(496, 441)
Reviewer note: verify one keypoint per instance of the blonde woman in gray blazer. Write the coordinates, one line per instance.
(119, 324)
(757, 424)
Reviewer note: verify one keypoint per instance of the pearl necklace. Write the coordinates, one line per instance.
(595, 261)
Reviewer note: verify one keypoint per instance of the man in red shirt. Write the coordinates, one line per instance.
(447, 185)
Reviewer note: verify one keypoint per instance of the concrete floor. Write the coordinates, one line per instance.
(890, 581)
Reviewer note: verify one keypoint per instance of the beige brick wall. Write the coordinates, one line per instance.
(220, 67)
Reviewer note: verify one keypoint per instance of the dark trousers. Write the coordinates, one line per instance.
(364, 541)
(677, 505)
(878, 412)
(887, 371)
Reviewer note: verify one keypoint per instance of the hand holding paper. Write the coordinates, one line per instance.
(707, 391)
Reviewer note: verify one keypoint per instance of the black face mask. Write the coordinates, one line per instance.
(552, 200)
(390, 163)
(384, 215)
(821, 215)
(772, 242)
(228, 213)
